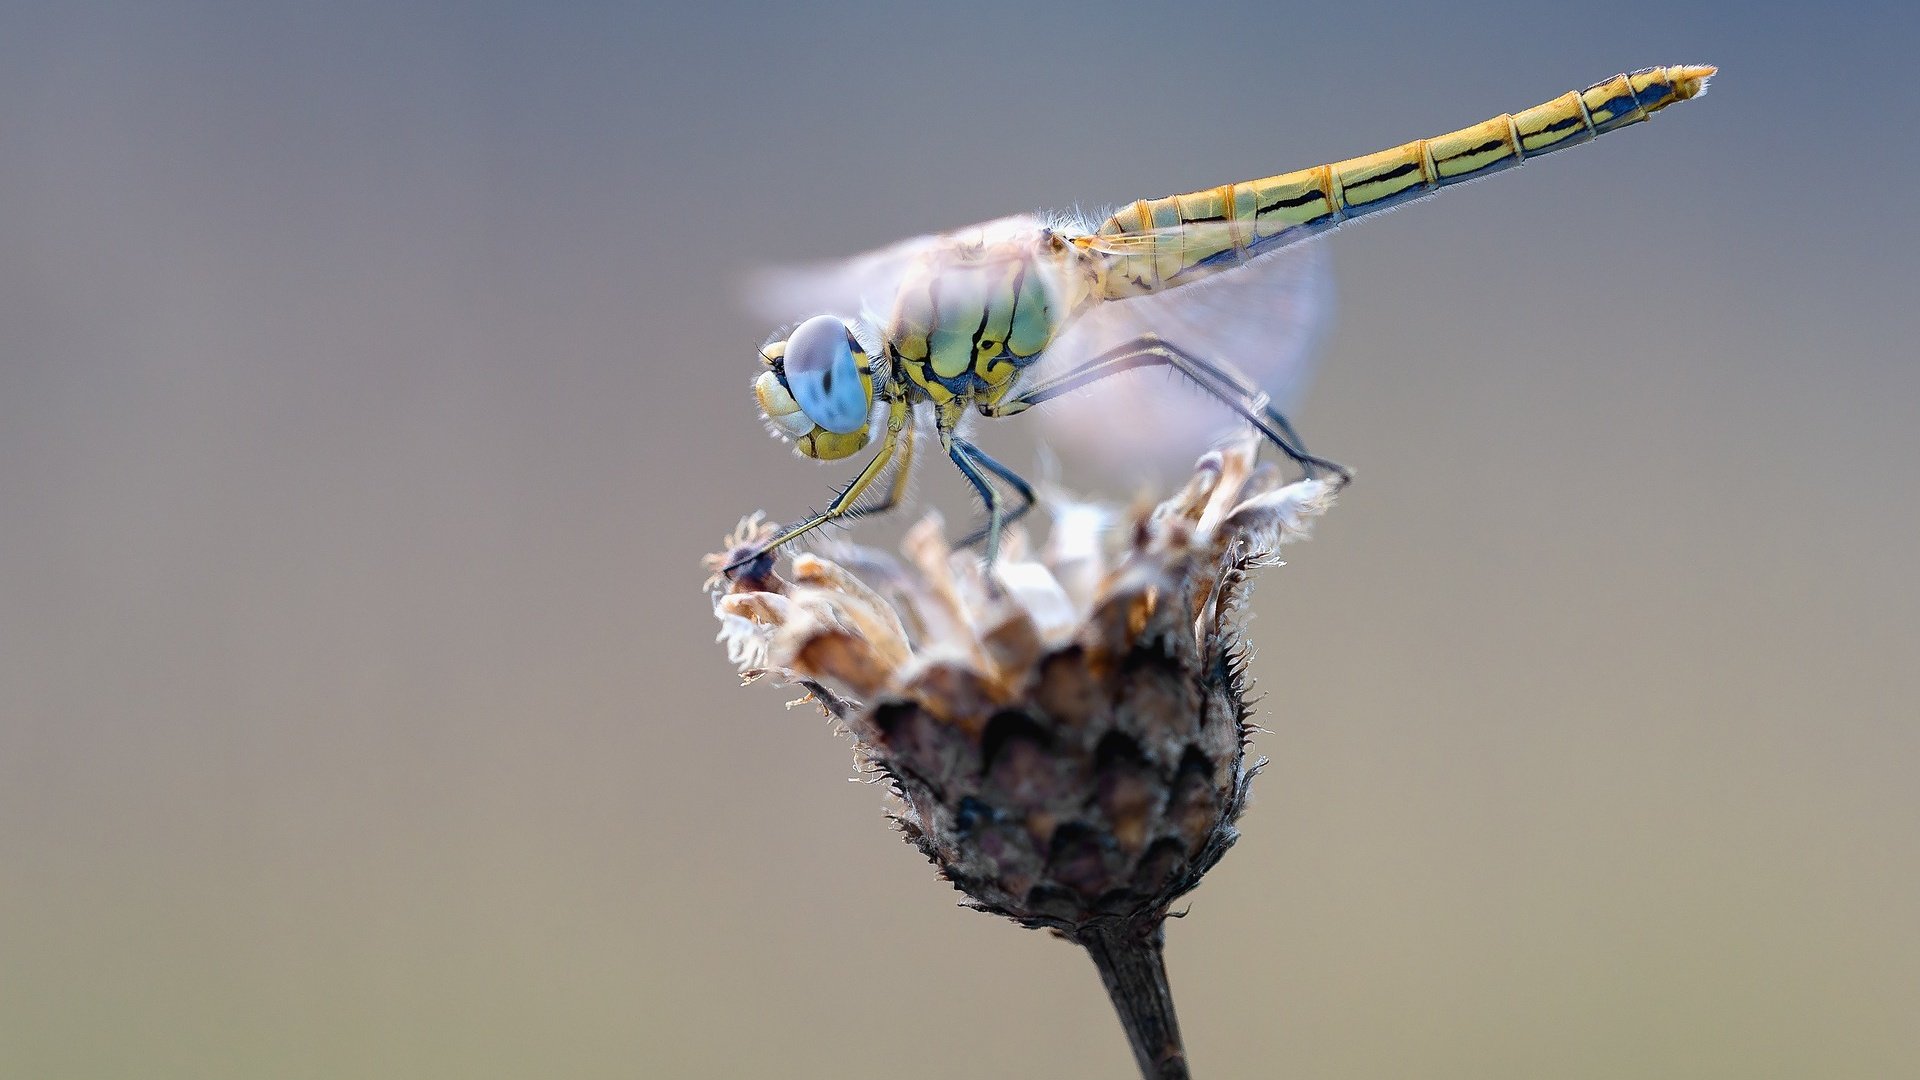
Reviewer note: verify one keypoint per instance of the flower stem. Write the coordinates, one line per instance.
(1128, 956)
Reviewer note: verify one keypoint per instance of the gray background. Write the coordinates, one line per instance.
(371, 380)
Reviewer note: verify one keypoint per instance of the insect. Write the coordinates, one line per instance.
(958, 323)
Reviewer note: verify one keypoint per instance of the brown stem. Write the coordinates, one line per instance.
(1128, 956)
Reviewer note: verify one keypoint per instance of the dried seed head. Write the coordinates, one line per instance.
(1066, 743)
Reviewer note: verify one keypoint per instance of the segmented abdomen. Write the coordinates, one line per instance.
(1222, 227)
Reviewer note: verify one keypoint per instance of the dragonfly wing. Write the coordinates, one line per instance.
(1264, 319)
(849, 288)
(863, 286)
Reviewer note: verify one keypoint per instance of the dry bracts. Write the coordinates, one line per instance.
(1066, 744)
(1066, 741)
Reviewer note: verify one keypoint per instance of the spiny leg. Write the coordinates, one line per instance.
(986, 490)
(1227, 386)
(1014, 480)
(842, 505)
(1241, 384)
(970, 461)
(897, 491)
(1218, 380)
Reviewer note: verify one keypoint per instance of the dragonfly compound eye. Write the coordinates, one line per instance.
(828, 375)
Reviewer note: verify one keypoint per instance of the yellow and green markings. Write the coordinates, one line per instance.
(1181, 238)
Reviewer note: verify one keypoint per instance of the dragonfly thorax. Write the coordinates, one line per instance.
(969, 317)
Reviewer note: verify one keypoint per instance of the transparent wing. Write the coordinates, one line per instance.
(863, 286)
(849, 288)
(1264, 318)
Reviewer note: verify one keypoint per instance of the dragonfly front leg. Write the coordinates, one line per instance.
(971, 459)
(896, 491)
(1218, 380)
(843, 504)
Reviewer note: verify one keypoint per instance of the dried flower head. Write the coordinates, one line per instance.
(1066, 740)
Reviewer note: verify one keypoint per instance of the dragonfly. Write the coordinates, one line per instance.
(957, 324)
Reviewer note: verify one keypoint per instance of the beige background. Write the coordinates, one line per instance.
(371, 382)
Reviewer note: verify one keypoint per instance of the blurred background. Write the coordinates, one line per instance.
(372, 378)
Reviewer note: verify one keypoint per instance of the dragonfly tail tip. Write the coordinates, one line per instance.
(1690, 80)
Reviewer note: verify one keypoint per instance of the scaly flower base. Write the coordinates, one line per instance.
(1067, 741)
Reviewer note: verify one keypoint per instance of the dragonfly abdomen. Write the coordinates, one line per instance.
(1187, 237)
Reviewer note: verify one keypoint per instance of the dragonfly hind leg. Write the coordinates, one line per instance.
(1222, 382)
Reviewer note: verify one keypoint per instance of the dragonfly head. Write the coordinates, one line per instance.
(817, 389)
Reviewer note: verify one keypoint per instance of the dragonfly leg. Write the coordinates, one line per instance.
(842, 505)
(1219, 380)
(896, 491)
(997, 517)
(1254, 396)
(970, 460)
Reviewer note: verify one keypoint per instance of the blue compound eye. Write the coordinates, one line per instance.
(824, 375)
